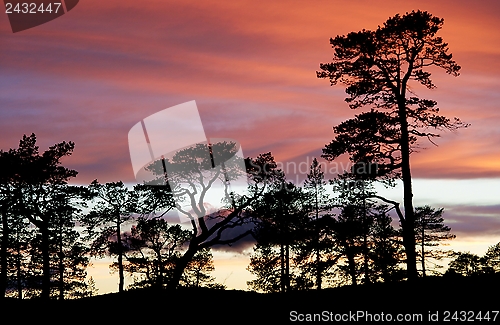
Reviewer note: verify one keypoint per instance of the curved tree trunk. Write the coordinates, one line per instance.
(180, 266)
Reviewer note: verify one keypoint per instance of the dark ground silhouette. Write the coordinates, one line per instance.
(431, 295)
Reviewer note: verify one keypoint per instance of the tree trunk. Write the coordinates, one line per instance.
(61, 279)
(181, 265)
(352, 269)
(423, 250)
(409, 220)
(3, 253)
(318, 256)
(120, 255)
(282, 260)
(45, 261)
(198, 274)
(159, 280)
(366, 267)
(318, 271)
(19, 273)
(61, 271)
(365, 240)
(287, 267)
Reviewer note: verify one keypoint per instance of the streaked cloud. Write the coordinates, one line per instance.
(92, 74)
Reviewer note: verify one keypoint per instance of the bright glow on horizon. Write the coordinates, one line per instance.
(436, 192)
(230, 268)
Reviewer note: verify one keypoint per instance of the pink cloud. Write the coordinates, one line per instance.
(92, 74)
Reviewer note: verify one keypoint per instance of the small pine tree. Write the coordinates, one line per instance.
(92, 289)
(265, 265)
(465, 264)
(430, 231)
(197, 272)
(492, 258)
(317, 202)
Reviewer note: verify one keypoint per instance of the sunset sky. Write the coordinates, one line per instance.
(93, 73)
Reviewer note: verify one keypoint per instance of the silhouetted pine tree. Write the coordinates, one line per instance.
(36, 182)
(197, 272)
(154, 247)
(114, 205)
(378, 68)
(317, 243)
(492, 258)
(69, 256)
(387, 252)
(430, 231)
(281, 221)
